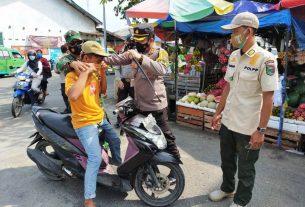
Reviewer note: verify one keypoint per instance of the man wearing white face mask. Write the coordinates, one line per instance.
(245, 108)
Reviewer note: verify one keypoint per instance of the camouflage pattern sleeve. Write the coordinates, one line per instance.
(63, 63)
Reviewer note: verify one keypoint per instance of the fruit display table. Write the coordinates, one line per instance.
(199, 117)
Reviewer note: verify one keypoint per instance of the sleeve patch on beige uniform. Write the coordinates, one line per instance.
(270, 67)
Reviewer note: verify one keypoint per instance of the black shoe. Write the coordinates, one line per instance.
(112, 162)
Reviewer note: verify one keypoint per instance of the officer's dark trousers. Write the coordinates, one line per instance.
(126, 91)
(161, 119)
(65, 97)
(234, 155)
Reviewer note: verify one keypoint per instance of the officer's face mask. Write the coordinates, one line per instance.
(75, 47)
(239, 40)
(32, 57)
(141, 48)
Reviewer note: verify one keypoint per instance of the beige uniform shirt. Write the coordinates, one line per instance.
(145, 98)
(249, 76)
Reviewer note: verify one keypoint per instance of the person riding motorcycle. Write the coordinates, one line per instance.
(34, 69)
(46, 71)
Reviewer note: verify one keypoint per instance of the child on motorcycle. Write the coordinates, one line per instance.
(83, 91)
(34, 68)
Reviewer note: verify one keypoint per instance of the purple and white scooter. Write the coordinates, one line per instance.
(152, 172)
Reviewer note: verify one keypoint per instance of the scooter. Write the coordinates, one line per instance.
(21, 93)
(154, 174)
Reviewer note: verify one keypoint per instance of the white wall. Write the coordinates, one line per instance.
(50, 17)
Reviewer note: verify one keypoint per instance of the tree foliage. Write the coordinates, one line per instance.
(123, 5)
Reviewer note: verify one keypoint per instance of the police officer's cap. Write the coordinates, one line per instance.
(142, 31)
(71, 35)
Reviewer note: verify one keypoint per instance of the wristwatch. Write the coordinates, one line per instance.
(261, 130)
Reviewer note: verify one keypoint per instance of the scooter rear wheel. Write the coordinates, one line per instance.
(171, 179)
(16, 106)
(48, 150)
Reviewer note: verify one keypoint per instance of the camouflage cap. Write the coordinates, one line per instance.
(71, 35)
(93, 47)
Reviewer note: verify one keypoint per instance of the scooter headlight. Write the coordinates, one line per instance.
(158, 139)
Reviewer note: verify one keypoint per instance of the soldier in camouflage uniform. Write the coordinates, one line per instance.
(63, 65)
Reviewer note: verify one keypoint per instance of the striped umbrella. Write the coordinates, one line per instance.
(179, 10)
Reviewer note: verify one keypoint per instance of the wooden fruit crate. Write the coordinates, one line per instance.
(190, 117)
(208, 116)
(290, 140)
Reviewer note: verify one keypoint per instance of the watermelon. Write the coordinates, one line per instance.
(192, 94)
(212, 105)
(302, 98)
(210, 98)
(196, 100)
(300, 88)
(202, 98)
(204, 103)
(293, 99)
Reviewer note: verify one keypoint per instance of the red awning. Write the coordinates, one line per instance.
(297, 7)
(287, 4)
(153, 9)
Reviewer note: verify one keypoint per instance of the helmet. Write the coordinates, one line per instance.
(31, 53)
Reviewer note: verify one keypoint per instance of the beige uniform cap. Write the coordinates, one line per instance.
(93, 47)
(243, 19)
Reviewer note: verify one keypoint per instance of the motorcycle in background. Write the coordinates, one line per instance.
(21, 95)
(153, 173)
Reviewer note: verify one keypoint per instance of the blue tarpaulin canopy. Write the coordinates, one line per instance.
(275, 18)
(299, 30)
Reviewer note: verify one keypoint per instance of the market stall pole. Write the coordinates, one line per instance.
(287, 37)
(176, 62)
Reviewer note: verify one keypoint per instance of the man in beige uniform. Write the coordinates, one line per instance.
(246, 104)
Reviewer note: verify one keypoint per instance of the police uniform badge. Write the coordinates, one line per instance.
(270, 67)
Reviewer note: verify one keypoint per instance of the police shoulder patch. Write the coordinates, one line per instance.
(270, 67)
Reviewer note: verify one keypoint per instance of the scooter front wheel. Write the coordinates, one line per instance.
(171, 184)
(17, 106)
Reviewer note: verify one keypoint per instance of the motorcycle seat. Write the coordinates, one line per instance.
(59, 123)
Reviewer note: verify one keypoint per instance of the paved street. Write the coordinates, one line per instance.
(280, 177)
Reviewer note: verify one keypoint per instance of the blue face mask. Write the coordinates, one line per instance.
(32, 57)
(39, 55)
